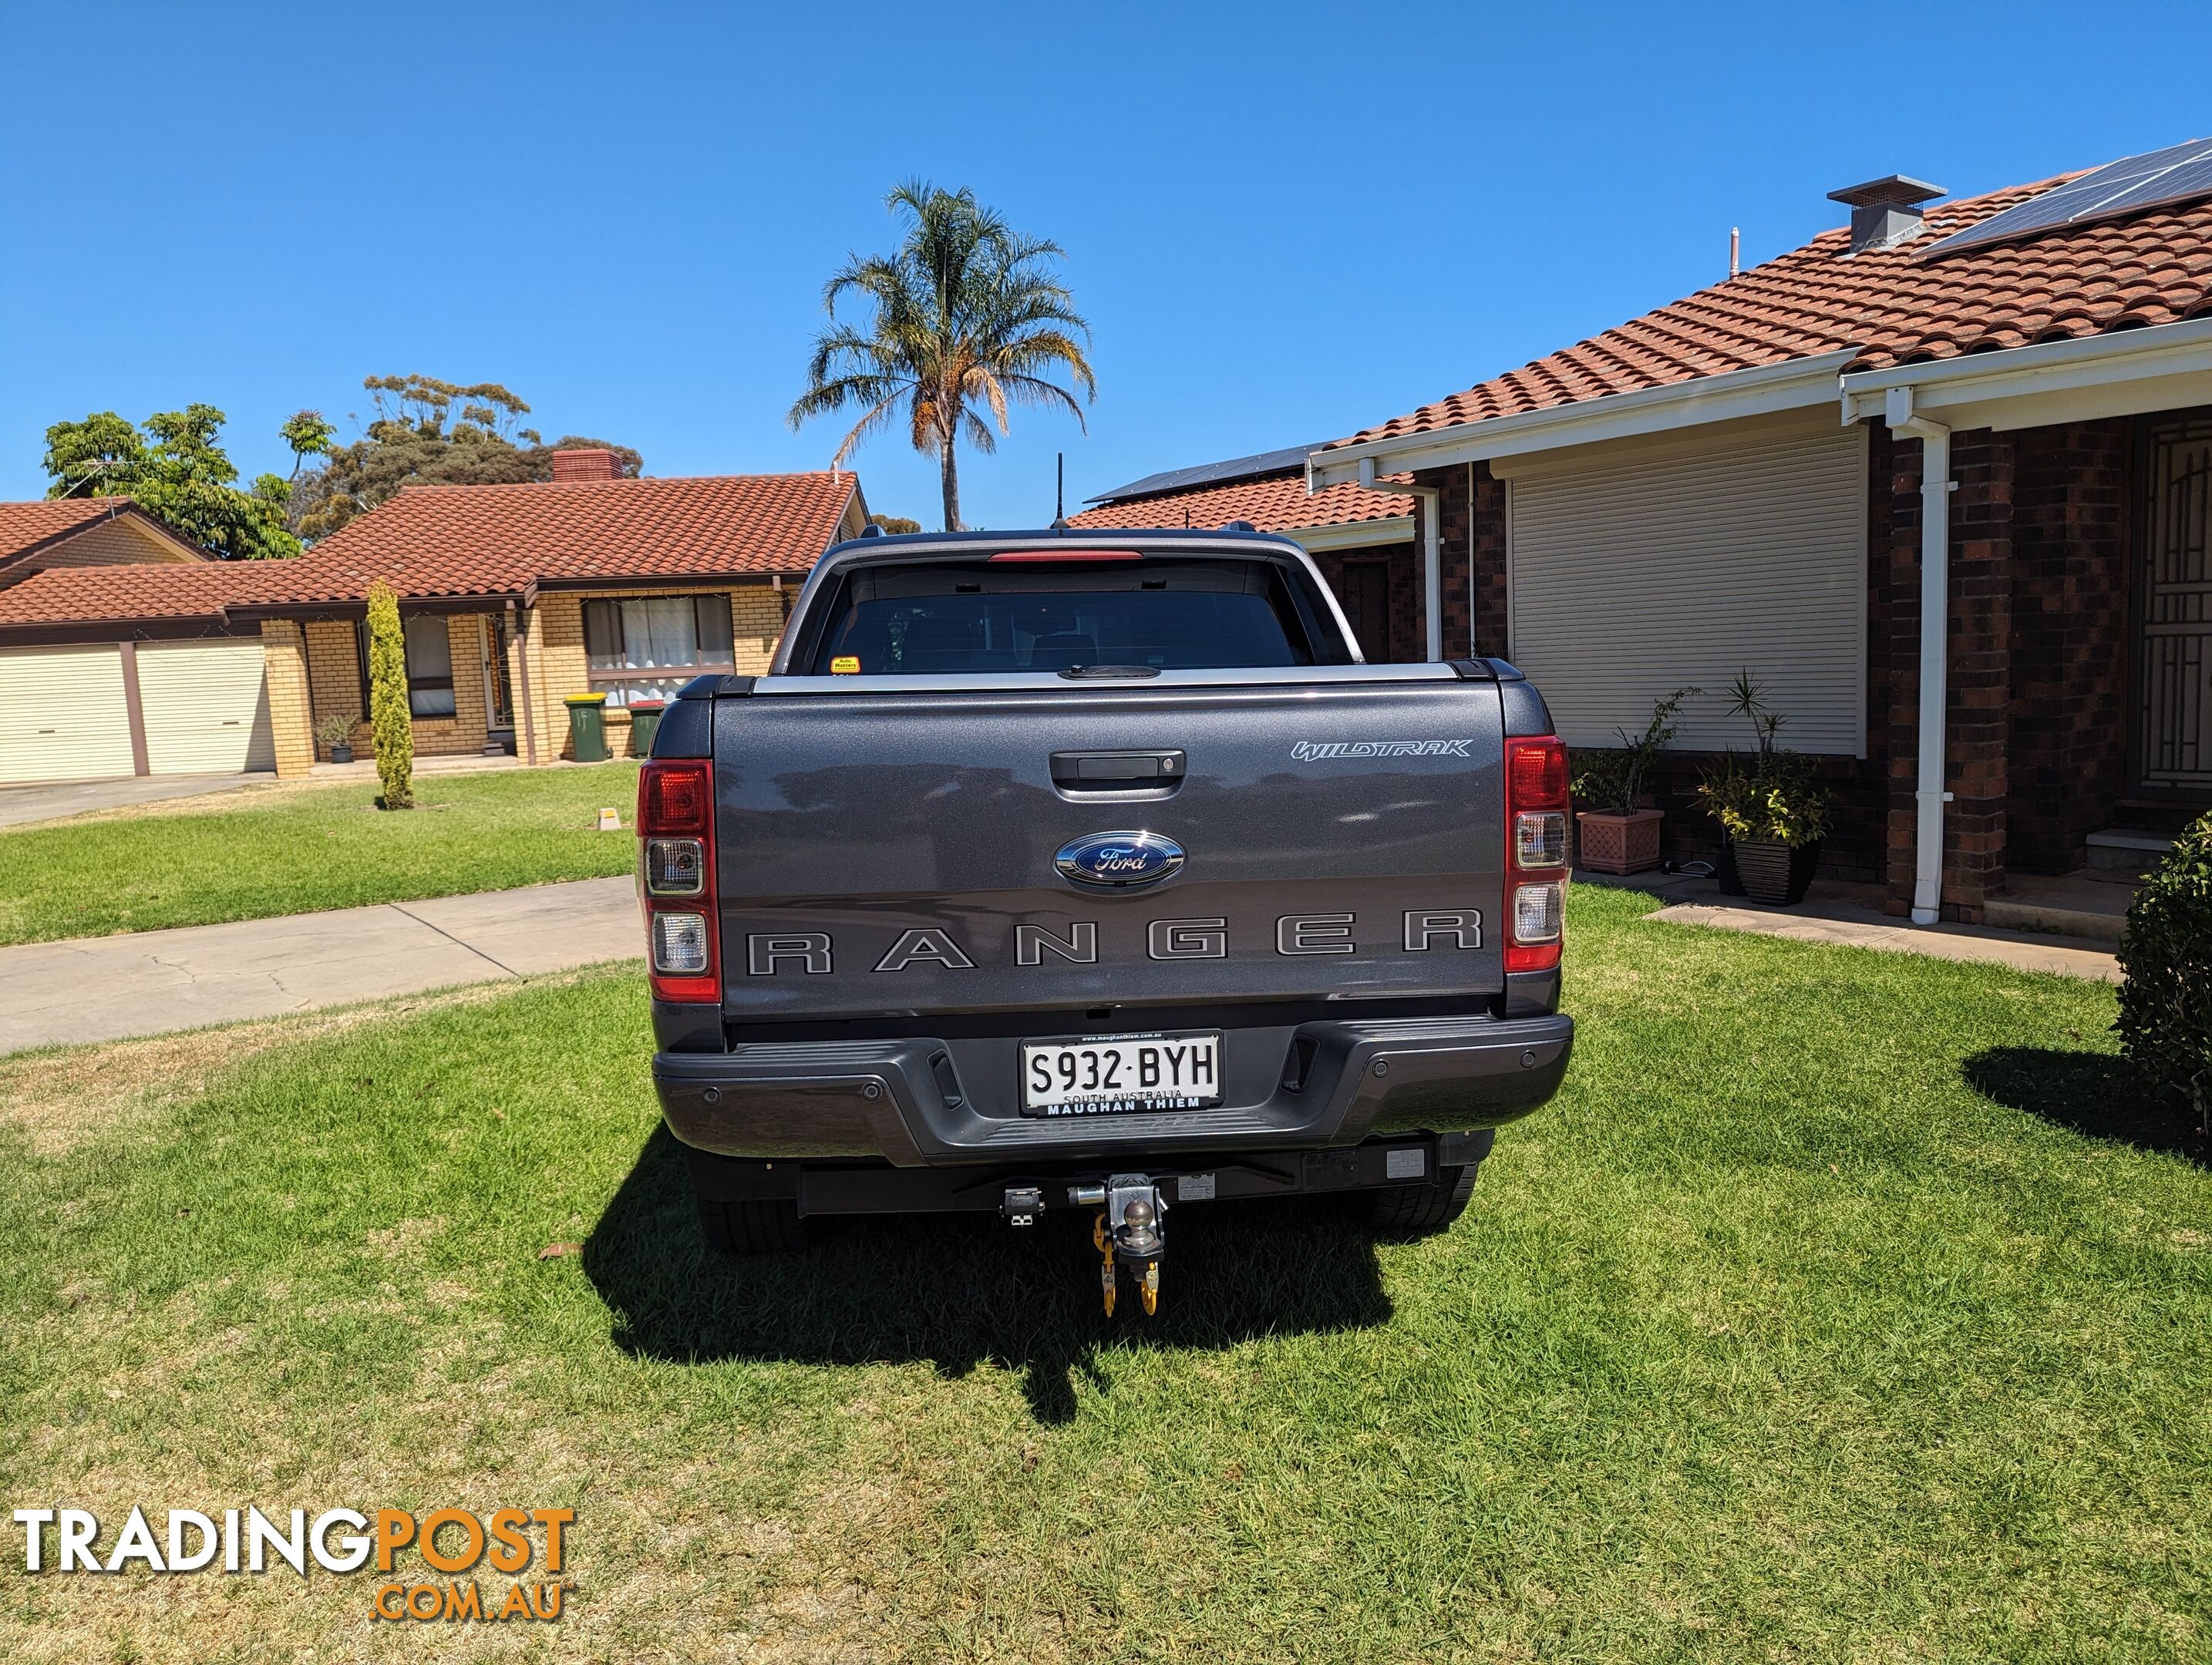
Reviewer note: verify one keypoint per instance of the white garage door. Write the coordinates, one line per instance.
(1678, 567)
(206, 706)
(62, 715)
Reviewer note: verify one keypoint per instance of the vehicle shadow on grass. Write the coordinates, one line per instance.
(959, 1291)
(2093, 1093)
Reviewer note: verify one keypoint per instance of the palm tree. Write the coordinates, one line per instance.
(968, 313)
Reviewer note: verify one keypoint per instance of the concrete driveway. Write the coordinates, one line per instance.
(19, 806)
(147, 982)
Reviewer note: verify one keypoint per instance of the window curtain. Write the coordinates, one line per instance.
(680, 635)
(429, 667)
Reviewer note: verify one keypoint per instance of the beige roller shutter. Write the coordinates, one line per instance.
(1669, 566)
(206, 706)
(62, 715)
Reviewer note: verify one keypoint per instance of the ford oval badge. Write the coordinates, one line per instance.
(1118, 860)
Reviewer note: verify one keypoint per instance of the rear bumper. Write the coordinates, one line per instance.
(920, 1102)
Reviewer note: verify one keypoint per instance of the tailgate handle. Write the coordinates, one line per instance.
(1116, 771)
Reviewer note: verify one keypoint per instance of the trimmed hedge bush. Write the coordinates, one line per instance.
(389, 715)
(2166, 1005)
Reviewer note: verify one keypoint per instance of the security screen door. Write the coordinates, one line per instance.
(2174, 690)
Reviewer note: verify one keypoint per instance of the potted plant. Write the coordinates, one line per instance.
(1616, 834)
(333, 731)
(1773, 817)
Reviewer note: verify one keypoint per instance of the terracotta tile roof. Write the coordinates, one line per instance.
(1276, 502)
(27, 526)
(1890, 306)
(167, 590)
(443, 541)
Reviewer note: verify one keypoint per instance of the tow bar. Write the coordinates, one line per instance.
(1128, 1230)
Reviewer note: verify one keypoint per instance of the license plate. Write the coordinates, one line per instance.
(1115, 1074)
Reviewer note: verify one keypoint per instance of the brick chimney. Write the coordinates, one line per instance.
(586, 463)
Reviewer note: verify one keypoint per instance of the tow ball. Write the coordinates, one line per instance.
(1128, 1230)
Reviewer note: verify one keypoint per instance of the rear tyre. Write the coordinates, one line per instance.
(752, 1228)
(1418, 1210)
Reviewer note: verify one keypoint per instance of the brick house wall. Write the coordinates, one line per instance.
(333, 666)
(559, 665)
(331, 677)
(1402, 563)
(2036, 758)
(2073, 569)
(123, 541)
(291, 708)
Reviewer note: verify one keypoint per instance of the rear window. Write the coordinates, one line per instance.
(967, 617)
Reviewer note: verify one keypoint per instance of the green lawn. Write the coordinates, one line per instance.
(265, 851)
(1819, 1320)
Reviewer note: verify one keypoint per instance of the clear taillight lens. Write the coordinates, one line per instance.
(679, 944)
(1540, 839)
(1538, 910)
(675, 866)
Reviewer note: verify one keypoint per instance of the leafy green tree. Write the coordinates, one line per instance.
(308, 434)
(895, 524)
(968, 313)
(390, 720)
(428, 432)
(175, 469)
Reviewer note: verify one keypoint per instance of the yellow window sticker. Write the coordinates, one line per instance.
(844, 665)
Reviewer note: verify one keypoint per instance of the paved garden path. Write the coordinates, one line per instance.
(1859, 927)
(145, 982)
(21, 805)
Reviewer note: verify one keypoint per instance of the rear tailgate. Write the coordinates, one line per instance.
(879, 851)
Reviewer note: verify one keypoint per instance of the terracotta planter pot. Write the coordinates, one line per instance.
(1613, 843)
(1775, 874)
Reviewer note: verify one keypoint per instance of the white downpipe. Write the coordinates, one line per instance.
(1934, 647)
(1432, 560)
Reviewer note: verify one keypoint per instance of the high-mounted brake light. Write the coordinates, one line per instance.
(675, 879)
(1068, 555)
(1535, 853)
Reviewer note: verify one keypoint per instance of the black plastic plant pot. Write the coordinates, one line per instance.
(1775, 874)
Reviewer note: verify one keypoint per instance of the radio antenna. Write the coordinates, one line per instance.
(1059, 491)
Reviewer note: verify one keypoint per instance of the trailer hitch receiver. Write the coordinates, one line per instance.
(1128, 1229)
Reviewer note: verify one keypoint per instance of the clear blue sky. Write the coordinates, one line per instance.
(1285, 221)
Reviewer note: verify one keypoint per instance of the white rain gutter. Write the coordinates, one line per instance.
(1432, 581)
(2165, 367)
(1797, 384)
(1936, 488)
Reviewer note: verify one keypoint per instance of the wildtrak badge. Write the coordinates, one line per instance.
(1307, 751)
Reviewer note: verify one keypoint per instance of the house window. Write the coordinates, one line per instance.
(649, 648)
(429, 666)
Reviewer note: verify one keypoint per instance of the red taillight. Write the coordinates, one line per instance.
(1539, 777)
(1535, 853)
(676, 879)
(675, 796)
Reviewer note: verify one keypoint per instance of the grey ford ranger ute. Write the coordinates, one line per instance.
(1086, 871)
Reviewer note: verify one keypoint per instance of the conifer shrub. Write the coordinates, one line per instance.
(389, 718)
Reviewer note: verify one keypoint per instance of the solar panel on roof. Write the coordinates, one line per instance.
(2171, 175)
(1237, 468)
